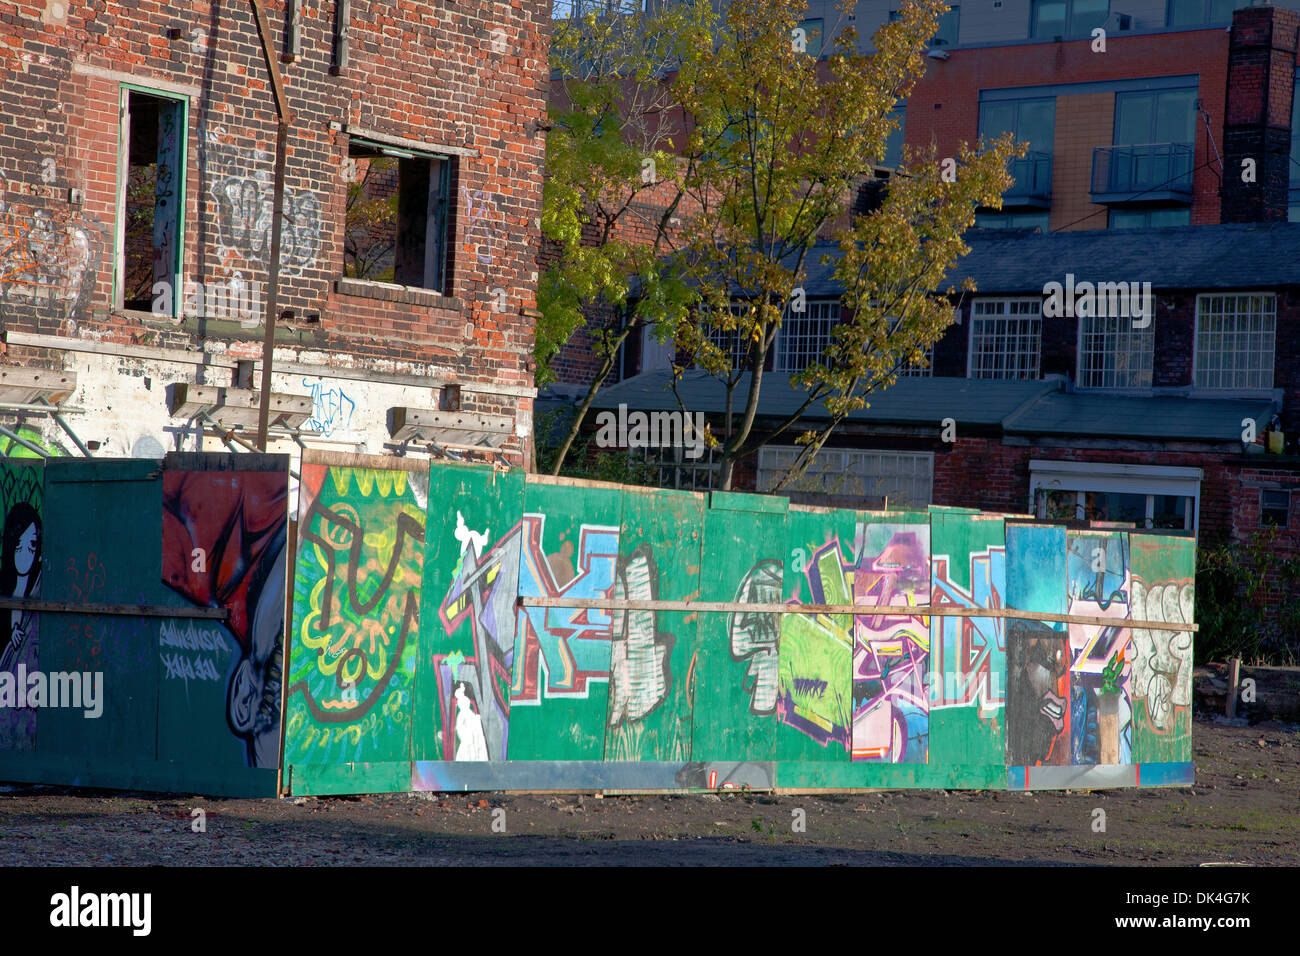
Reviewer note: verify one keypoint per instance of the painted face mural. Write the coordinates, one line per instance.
(1038, 695)
(20, 573)
(224, 546)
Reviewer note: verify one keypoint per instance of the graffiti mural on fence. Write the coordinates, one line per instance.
(331, 408)
(970, 652)
(756, 635)
(1162, 572)
(891, 653)
(816, 654)
(356, 611)
(560, 650)
(640, 673)
(1098, 584)
(1038, 695)
(486, 584)
(20, 577)
(224, 547)
(243, 200)
(48, 259)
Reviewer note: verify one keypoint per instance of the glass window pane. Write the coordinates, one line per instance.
(1175, 117)
(1133, 118)
(1049, 19)
(996, 119)
(1034, 123)
(1085, 15)
(947, 35)
(1184, 13)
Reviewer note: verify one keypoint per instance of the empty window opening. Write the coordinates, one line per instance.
(397, 216)
(151, 203)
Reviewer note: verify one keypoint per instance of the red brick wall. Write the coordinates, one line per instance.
(422, 71)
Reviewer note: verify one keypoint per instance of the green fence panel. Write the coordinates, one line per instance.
(736, 674)
(559, 695)
(1099, 585)
(225, 522)
(103, 528)
(471, 578)
(967, 654)
(815, 686)
(653, 653)
(22, 492)
(356, 610)
(1163, 589)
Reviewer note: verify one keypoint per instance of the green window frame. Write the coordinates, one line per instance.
(171, 140)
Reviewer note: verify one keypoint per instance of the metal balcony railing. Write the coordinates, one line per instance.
(1033, 180)
(1150, 172)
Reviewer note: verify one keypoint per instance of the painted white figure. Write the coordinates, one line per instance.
(470, 744)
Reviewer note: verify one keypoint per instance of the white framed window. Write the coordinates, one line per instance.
(900, 477)
(1115, 354)
(804, 335)
(1005, 338)
(1235, 340)
(1150, 496)
(676, 469)
(911, 369)
(730, 341)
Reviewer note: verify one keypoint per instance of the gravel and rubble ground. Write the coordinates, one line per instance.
(1244, 808)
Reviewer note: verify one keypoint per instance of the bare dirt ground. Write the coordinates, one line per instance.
(1244, 808)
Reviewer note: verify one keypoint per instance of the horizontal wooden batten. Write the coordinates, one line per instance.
(123, 610)
(860, 610)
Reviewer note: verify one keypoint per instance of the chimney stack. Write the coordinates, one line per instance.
(1257, 124)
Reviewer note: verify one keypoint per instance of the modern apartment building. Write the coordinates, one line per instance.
(1156, 416)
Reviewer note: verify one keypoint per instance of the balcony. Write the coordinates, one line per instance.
(1152, 172)
(1033, 182)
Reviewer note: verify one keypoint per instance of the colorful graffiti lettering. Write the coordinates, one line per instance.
(47, 258)
(970, 652)
(891, 653)
(1098, 584)
(756, 635)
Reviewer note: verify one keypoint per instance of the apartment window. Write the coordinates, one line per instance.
(1193, 13)
(1235, 340)
(1158, 116)
(731, 341)
(1066, 18)
(151, 201)
(949, 22)
(397, 215)
(1149, 496)
(900, 477)
(1274, 508)
(804, 335)
(1012, 220)
(673, 468)
(1004, 338)
(1114, 354)
(1150, 218)
(1032, 121)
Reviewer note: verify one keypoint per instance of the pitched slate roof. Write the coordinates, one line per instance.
(1195, 258)
(1017, 406)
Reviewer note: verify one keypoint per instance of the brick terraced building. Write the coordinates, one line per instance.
(137, 158)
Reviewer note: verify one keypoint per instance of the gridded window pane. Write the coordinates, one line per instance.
(730, 340)
(805, 335)
(904, 478)
(675, 469)
(1114, 354)
(1004, 338)
(1235, 341)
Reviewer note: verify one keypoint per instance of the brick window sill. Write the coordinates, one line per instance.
(390, 292)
